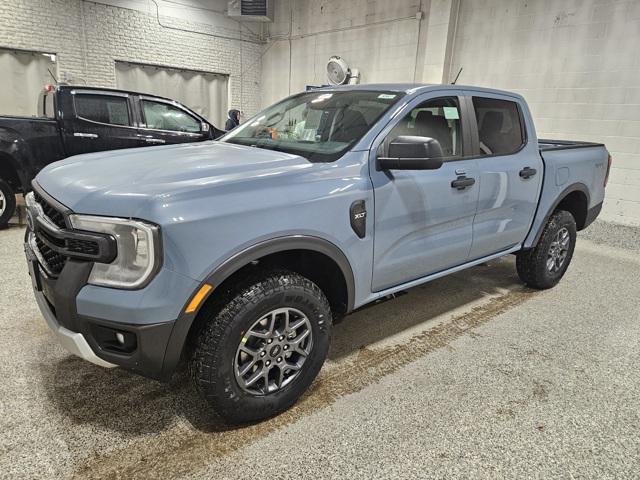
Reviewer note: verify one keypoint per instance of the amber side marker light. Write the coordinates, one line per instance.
(198, 298)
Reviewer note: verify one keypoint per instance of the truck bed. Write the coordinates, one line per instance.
(546, 145)
(570, 166)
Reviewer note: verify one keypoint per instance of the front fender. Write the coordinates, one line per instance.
(234, 263)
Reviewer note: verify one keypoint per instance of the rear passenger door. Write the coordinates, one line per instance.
(166, 122)
(102, 120)
(423, 218)
(510, 172)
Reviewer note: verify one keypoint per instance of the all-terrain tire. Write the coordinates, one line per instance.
(224, 326)
(7, 203)
(533, 265)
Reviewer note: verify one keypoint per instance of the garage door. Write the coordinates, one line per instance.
(205, 93)
(24, 74)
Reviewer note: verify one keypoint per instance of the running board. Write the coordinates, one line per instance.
(414, 283)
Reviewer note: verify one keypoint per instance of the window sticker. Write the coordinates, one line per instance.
(386, 96)
(451, 113)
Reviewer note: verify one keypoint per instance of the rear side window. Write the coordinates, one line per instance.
(103, 108)
(499, 126)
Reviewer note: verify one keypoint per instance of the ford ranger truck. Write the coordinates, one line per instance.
(238, 255)
(73, 120)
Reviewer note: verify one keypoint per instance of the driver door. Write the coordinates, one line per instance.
(423, 221)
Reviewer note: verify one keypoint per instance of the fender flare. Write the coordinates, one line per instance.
(240, 259)
(574, 187)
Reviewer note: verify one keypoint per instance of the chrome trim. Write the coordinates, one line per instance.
(100, 92)
(85, 135)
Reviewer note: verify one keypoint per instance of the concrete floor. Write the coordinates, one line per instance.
(470, 376)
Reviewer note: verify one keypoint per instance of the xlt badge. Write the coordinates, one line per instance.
(358, 217)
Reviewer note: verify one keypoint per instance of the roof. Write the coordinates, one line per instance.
(413, 88)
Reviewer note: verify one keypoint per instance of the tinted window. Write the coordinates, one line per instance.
(499, 126)
(103, 109)
(163, 116)
(438, 119)
(319, 125)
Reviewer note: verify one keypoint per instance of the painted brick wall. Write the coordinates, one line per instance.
(88, 37)
(378, 37)
(577, 63)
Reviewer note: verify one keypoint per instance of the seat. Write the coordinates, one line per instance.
(429, 125)
(350, 127)
(491, 134)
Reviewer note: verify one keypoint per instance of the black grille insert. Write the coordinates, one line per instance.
(51, 212)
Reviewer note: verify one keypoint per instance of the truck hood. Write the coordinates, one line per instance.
(123, 182)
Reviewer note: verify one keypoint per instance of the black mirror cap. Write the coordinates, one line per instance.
(408, 152)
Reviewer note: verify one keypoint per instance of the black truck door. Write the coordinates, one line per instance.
(99, 120)
(165, 122)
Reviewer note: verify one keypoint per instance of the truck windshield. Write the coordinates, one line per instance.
(319, 126)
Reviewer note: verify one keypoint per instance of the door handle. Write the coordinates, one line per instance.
(85, 135)
(154, 140)
(527, 172)
(461, 183)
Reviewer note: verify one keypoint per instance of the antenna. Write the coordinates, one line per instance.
(456, 79)
(55, 80)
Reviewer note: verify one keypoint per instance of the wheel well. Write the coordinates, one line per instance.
(317, 267)
(9, 174)
(576, 204)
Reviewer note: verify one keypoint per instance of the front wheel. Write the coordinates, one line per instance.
(262, 346)
(544, 265)
(7, 203)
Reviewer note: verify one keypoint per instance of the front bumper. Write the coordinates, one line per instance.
(73, 342)
(94, 338)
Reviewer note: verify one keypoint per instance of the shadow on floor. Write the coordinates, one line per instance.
(132, 405)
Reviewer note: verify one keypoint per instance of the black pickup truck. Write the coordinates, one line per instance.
(74, 120)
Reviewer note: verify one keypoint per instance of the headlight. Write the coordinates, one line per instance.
(138, 257)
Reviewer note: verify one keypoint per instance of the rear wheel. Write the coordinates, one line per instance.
(7, 203)
(261, 347)
(544, 265)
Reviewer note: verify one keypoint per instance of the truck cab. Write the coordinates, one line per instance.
(98, 119)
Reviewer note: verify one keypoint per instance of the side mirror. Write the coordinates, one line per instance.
(412, 153)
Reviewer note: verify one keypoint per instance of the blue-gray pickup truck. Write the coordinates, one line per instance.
(237, 255)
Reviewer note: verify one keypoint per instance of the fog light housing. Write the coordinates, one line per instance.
(114, 340)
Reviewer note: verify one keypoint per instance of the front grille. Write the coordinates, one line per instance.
(54, 261)
(86, 247)
(50, 211)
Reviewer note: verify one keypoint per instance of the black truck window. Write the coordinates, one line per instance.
(162, 116)
(103, 108)
(500, 128)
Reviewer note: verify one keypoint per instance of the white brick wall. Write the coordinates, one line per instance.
(578, 65)
(88, 37)
(576, 61)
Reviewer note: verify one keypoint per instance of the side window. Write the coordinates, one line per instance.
(499, 126)
(103, 109)
(438, 119)
(163, 116)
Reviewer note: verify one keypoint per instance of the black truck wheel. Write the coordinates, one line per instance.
(7, 203)
(544, 265)
(261, 345)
